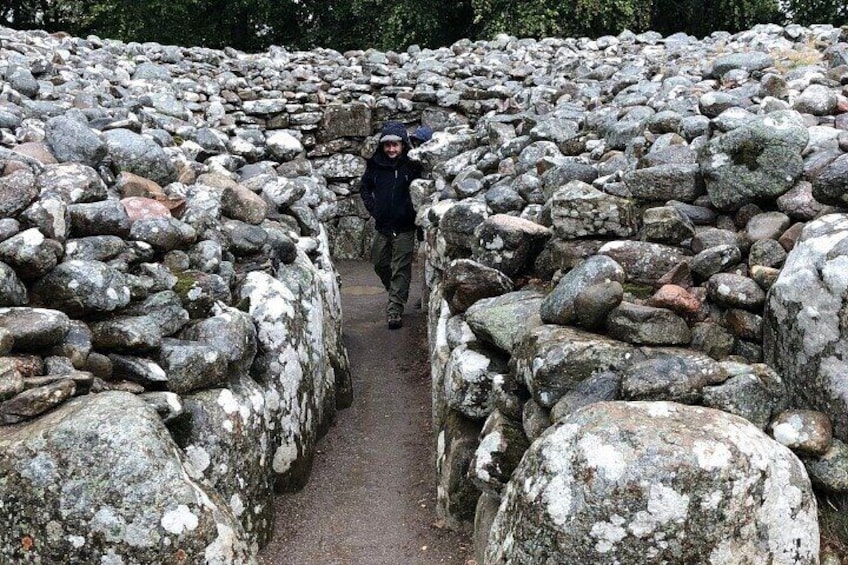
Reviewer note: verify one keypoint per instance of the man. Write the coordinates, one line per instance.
(385, 193)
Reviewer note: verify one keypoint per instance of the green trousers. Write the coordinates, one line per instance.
(391, 256)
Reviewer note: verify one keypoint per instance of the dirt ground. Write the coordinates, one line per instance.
(371, 497)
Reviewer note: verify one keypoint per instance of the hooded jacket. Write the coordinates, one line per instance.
(385, 185)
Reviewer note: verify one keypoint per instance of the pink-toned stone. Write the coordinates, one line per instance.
(38, 150)
(139, 208)
(675, 298)
(129, 184)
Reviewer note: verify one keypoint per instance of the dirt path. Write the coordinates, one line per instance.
(371, 497)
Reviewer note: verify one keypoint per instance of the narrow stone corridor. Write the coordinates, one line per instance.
(371, 496)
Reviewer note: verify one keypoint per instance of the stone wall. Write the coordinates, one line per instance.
(604, 220)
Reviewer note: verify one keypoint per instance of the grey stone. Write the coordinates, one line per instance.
(82, 287)
(73, 141)
(594, 303)
(759, 160)
(600, 387)
(768, 225)
(806, 432)
(227, 442)
(644, 262)
(36, 401)
(646, 325)
(552, 360)
(12, 290)
(654, 444)
(30, 253)
(140, 155)
(191, 366)
(829, 183)
(50, 216)
(164, 234)
(766, 253)
(466, 281)
(666, 224)
(502, 443)
(140, 370)
(735, 291)
(748, 61)
(72, 182)
(754, 392)
(559, 306)
(493, 319)
(34, 329)
(681, 182)
(468, 381)
(134, 490)
(579, 210)
(126, 333)
(830, 470)
(107, 217)
(17, 191)
(817, 99)
(714, 260)
(458, 224)
(507, 243)
(457, 495)
(11, 381)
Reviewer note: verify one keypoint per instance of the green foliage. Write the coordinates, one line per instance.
(701, 17)
(818, 11)
(253, 25)
(539, 18)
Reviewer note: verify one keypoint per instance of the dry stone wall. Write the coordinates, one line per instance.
(619, 234)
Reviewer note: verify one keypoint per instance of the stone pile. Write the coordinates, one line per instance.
(633, 246)
(664, 230)
(170, 328)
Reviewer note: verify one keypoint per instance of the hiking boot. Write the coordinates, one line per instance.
(394, 320)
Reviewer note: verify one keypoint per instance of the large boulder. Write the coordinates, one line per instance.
(226, 439)
(297, 378)
(804, 332)
(759, 160)
(100, 480)
(637, 482)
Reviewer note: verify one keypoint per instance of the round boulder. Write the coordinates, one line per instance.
(656, 482)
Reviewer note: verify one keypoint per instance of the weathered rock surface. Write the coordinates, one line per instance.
(727, 492)
(124, 491)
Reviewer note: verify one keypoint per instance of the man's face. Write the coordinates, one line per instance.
(392, 148)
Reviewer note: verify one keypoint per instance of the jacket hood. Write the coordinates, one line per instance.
(397, 131)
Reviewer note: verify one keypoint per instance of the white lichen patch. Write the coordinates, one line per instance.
(659, 409)
(558, 500)
(790, 432)
(667, 505)
(198, 457)
(492, 443)
(223, 550)
(236, 505)
(179, 520)
(109, 523)
(284, 456)
(32, 237)
(712, 500)
(608, 534)
(604, 457)
(76, 541)
(711, 456)
(227, 401)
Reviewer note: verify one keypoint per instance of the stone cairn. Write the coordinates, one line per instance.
(632, 260)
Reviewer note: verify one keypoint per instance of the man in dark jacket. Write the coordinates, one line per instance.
(385, 192)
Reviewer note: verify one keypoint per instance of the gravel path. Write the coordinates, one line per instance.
(371, 497)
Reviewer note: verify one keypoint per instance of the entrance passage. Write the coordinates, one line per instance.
(371, 497)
